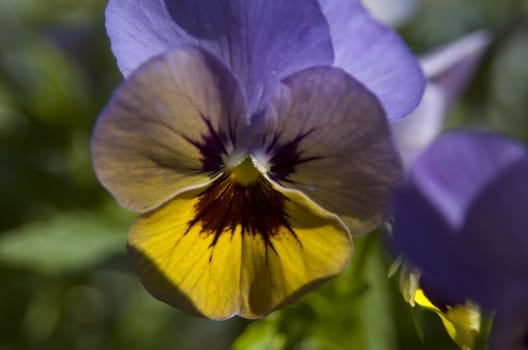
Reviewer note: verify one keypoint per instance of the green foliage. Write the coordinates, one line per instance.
(508, 94)
(64, 244)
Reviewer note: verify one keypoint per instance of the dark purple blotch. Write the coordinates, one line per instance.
(285, 157)
(257, 208)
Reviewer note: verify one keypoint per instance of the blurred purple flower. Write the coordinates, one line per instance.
(264, 41)
(462, 219)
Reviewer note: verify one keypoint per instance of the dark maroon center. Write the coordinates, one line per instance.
(257, 209)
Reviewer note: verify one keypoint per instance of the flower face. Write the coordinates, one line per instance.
(236, 217)
(251, 160)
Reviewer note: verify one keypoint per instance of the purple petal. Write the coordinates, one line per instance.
(495, 232)
(261, 41)
(374, 55)
(458, 166)
(424, 237)
(485, 260)
(510, 324)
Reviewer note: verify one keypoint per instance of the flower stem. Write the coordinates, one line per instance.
(481, 342)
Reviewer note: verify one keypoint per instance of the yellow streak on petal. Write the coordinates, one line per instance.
(240, 274)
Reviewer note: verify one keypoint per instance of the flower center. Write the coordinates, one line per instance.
(245, 173)
(242, 200)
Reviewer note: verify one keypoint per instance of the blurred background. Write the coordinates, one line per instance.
(65, 279)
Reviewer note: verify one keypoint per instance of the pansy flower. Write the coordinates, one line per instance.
(250, 158)
(461, 219)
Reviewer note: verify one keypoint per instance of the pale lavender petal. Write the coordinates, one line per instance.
(448, 69)
(415, 132)
(451, 66)
(261, 41)
(375, 55)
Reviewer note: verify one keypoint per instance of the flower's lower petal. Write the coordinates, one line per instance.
(318, 249)
(375, 55)
(231, 270)
(327, 136)
(261, 41)
(167, 128)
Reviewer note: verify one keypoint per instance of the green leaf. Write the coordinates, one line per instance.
(507, 101)
(64, 244)
(47, 83)
(376, 312)
(261, 335)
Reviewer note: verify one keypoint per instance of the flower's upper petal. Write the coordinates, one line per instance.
(375, 55)
(458, 166)
(168, 128)
(448, 70)
(261, 41)
(327, 136)
(256, 249)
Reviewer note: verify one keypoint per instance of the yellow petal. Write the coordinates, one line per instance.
(462, 322)
(186, 258)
